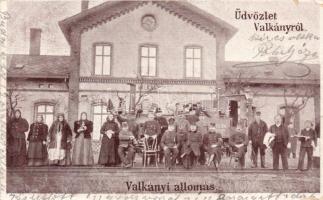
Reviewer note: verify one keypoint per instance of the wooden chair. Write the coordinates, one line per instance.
(150, 150)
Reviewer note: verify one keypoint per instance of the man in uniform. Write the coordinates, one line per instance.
(151, 129)
(191, 148)
(203, 127)
(307, 141)
(238, 141)
(182, 126)
(256, 133)
(280, 142)
(163, 127)
(169, 145)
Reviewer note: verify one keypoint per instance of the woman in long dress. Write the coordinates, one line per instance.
(110, 131)
(17, 153)
(60, 136)
(82, 150)
(37, 150)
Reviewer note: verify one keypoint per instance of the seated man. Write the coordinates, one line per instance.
(191, 148)
(127, 142)
(169, 145)
(238, 142)
(212, 142)
(182, 127)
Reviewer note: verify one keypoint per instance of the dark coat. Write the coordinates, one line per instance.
(169, 139)
(87, 132)
(108, 145)
(17, 128)
(192, 119)
(257, 132)
(238, 137)
(37, 132)
(194, 141)
(313, 137)
(151, 127)
(66, 135)
(280, 130)
(210, 139)
(163, 123)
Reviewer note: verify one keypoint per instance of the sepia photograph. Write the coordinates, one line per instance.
(162, 97)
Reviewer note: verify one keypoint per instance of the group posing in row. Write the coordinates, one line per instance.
(186, 140)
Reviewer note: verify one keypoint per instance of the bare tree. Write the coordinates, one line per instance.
(299, 101)
(144, 91)
(13, 99)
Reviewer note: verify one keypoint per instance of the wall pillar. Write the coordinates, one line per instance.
(73, 100)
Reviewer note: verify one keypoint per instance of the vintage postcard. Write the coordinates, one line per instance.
(189, 99)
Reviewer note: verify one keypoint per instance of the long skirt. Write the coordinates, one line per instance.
(17, 152)
(107, 151)
(57, 156)
(37, 153)
(82, 151)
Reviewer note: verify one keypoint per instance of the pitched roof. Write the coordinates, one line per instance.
(42, 66)
(112, 9)
(271, 72)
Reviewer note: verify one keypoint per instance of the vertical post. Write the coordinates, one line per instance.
(132, 98)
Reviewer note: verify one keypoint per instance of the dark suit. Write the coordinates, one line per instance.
(256, 133)
(280, 145)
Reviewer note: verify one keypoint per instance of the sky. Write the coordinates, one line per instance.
(46, 14)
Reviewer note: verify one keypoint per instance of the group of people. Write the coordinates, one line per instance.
(186, 140)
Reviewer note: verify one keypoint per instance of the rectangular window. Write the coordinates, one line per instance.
(99, 117)
(102, 59)
(47, 111)
(148, 60)
(193, 62)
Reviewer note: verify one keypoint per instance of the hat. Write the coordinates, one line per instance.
(158, 110)
(258, 113)
(171, 121)
(212, 124)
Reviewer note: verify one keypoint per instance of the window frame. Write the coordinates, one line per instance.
(201, 63)
(149, 45)
(94, 56)
(45, 103)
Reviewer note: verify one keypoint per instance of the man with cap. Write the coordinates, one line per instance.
(308, 141)
(280, 142)
(127, 144)
(191, 149)
(163, 127)
(238, 141)
(212, 142)
(256, 133)
(203, 126)
(182, 126)
(169, 145)
(151, 129)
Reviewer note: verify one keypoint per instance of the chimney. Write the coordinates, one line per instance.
(35, 37)
(84, 5)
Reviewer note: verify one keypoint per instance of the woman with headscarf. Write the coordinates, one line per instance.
(59, 141)
(110, 131)
(17, 153)
(82, 150)
(37, 142)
